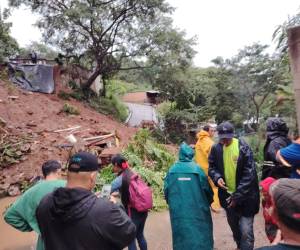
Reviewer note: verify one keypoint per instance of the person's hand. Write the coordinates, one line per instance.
(221, 184)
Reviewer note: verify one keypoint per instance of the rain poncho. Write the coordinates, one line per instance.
(202, 150)
(189, 196)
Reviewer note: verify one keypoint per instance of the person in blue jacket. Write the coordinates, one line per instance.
(290, 158)
(189, 197)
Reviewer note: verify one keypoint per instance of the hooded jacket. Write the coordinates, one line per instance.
(189, 196)
(277, 138)
(75, 219)
(202, 149)
(246, 195)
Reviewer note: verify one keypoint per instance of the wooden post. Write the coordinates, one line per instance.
(294, 52)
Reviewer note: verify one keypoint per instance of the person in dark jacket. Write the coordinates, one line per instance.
(74, 218)
(232, 169)
(277, 138)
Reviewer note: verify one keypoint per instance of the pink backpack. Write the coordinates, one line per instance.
(140, 194)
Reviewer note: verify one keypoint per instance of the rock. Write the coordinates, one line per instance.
(12, 97)
(24, 158)
(25, 148)
(27, 92)
(14, 190)
(29, 112)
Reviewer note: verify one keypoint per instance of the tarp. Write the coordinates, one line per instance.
(32, 77)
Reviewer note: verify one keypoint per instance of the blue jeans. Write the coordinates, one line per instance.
(139, 220)
(242, 229)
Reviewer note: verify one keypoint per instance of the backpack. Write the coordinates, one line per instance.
(140, 194)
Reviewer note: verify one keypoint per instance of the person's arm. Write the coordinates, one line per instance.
(281, 159)
(248, 175)
(116, 184)
(118, 229)
(213, 170)
(14, 217)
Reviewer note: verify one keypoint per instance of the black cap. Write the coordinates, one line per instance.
(225, 130)
(286, 195)
(83, 162)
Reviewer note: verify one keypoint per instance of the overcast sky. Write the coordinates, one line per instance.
(222, 27)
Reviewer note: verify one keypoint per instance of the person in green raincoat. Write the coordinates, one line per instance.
(21, 214)
(189, 197)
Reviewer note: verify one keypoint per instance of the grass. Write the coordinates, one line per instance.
(119, 88)
(109, 105)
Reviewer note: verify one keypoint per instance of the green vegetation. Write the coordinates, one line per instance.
(93, 31)
(8, 45)
(119, 87)
(109, 105)
(13, 148)
(148, 158)
(70, 110)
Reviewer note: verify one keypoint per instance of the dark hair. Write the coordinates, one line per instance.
(206, 128)
(50, 167)
(126, 176)
(118, 160)
(125, 195)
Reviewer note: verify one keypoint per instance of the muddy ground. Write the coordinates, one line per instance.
(158, 232)
(37, 116)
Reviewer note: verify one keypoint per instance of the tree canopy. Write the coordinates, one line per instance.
(105, 33)
(8, 45)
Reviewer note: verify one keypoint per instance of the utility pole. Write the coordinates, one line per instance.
(294, 52)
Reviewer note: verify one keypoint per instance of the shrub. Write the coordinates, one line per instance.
(150, 160)
(70, 110)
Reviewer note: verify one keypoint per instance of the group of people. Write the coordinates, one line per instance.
(223, 174)
(68, 215)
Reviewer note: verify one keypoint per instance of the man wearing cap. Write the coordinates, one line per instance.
(74, 218)
(232, 169)
(285, 194)
(21, 215)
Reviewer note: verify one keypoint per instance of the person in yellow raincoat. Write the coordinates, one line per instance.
(202, 150)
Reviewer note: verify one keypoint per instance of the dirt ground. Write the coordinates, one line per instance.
(38, 116)
(157, 232)
(137, 97)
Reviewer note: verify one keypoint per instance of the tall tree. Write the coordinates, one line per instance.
(256, 75)
(104, 31)
(8, 45)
